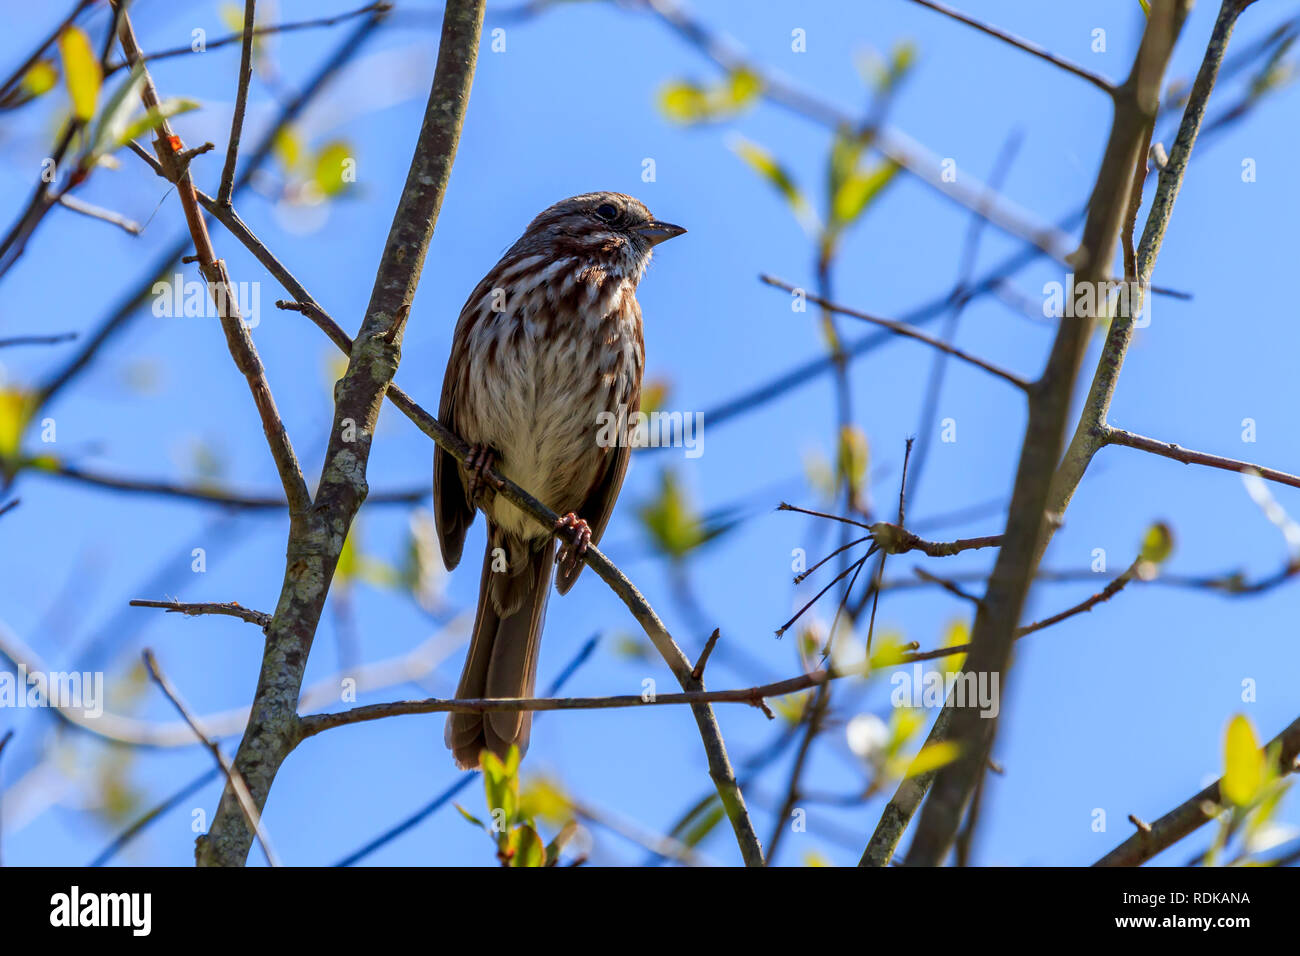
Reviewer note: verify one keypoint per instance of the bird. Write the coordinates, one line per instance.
(547, 351)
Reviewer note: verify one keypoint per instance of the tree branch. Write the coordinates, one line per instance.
(1103, 84)
(228, 609)
(1136, 105)
(1117, 436)
(1191, 814)
(240, 342)
(233, 779)
(241, 104)
(316, 539)
(907, 331)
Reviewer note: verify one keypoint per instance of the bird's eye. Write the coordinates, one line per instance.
(607, 211)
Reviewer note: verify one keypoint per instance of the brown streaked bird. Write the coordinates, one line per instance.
(548, 341)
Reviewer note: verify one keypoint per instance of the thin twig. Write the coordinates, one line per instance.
(1136, 105)
(128, 306)
(241, 104)
(379, 9)
(68, 201)
(233, 778)
(168, 147)
(1105, 594)
(907, 331)
(199, 493)
(55, 339)
(1103, 84)
(1117, 436)
(698, 670)
(228, 609)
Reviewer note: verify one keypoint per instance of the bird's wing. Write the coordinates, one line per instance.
(599, 503)
(453, 512)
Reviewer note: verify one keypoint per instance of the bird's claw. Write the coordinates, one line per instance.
(478, 467)
(574, 548)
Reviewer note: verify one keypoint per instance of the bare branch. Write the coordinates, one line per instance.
(895, 540)
(1105, 594)
(1196, 811)
(198, 493)
(165, 263)
(229, 609)
(241, 104)
(71, 202)
(238, 339)
(1117, 436)
(379, 9)
(234, 780)
(316, 539)
(55, 339)
(1136, 105)
(1103, 84)
(899, 328)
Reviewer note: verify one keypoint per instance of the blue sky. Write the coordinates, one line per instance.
(1121, 709)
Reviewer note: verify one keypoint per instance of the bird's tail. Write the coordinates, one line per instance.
(502, 659)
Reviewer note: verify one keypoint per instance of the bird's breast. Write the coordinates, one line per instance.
(544, 368)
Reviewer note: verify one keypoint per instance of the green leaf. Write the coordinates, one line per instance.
(704, 823)
(653, 395)
(40, 79)
(469, 816)
(289, 149)
(884, 76)
(152, 118)
(744, 87)
(931, 757)
(526, 847)
(1158, 543)
(1146, 7)
(16, 408)
(858, 190)
(956, 634)
(683, 101)
(542, 798)
(1243, 773)
(81, 72)
(671, 519)
(329, 167)
(767, 166)
(853, 457)
(887, 651)
(232, 15)
(115, 117)
(501, 783)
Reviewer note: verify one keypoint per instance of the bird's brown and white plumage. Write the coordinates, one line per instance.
(547, 342)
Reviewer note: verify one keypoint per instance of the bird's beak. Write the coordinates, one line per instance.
(657, 232)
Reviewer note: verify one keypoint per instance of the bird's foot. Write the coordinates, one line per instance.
(573, 548)
(478, 467)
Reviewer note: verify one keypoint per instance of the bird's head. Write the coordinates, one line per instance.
(613, 230)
